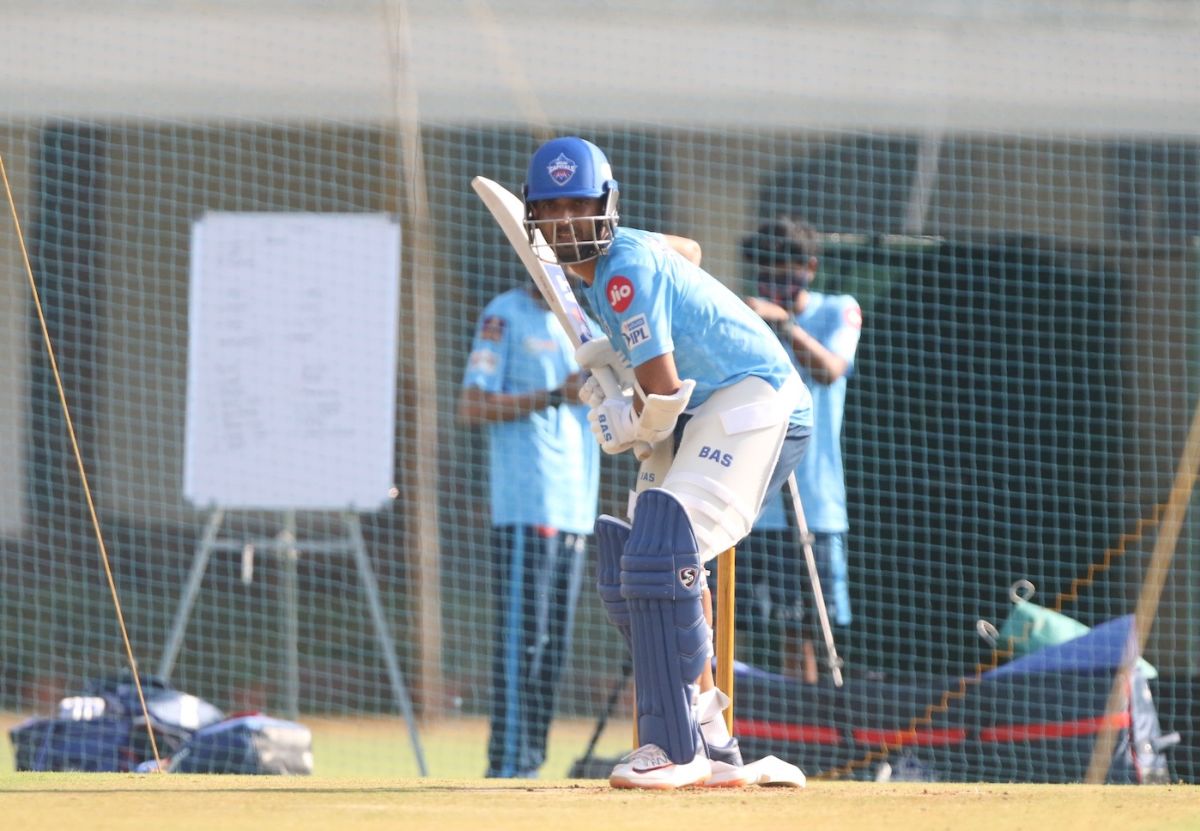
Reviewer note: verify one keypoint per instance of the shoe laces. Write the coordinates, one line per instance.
(647, 756)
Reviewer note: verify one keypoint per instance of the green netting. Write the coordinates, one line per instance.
(1016, 212)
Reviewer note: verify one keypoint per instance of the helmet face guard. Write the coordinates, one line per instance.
(573, 168)
(555, 240)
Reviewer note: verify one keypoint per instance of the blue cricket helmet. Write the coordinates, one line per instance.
(568, 166)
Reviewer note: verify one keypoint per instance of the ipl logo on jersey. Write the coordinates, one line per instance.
(561, 169)
(635, 331)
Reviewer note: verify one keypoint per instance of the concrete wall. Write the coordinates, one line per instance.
(990, 66)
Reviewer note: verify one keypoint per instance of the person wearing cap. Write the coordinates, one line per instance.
(821, 332)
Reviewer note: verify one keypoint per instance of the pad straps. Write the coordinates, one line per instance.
(660, 581)
(611, 535)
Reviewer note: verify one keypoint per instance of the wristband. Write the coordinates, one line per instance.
(555, 397)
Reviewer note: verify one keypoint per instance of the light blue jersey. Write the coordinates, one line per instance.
(836, 322)
(650, 301)
(545, 466)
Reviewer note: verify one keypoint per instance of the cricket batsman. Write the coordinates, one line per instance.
(714, 394)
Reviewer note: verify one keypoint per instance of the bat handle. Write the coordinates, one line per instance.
(612, 389)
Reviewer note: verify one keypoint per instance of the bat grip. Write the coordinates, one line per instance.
(607, 377)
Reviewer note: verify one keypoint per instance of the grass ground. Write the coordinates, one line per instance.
(366, 780)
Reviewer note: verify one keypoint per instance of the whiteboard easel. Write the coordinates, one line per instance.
(292, 326)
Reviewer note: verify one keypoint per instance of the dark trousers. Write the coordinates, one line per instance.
(537, 578)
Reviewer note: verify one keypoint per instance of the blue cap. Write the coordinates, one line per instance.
(568, 166)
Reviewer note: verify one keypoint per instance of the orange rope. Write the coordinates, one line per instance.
(87, 491)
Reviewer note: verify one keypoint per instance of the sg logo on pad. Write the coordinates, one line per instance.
(688, 575)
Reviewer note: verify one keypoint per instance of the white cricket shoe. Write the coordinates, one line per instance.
(650, 768)
(725, 775)
(727, 768)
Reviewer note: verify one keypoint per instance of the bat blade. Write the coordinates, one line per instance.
(551, 281)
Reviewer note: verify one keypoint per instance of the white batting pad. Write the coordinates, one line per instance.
(719, 475)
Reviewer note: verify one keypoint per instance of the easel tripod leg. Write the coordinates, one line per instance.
(386, 644)
(291, 622)
(195, 577)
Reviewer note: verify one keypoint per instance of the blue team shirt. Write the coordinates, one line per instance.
(545, 467)
(836, 322)
(651, 301)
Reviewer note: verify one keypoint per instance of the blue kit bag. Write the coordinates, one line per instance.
(102, 729)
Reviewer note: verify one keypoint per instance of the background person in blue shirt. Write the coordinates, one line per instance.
(822, 332)
(522, 382)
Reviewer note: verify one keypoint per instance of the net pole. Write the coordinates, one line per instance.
(1149, 595)
(421, 487)
(726, 592)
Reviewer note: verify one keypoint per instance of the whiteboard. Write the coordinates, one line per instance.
(292, 326)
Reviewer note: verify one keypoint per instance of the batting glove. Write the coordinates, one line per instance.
(617, 426)
(591, 393)
(614, 424)
(660, 413)
(597, 352)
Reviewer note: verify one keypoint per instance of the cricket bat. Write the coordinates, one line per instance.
(551, 281)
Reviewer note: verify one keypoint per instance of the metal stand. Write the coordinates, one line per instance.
(287, 547)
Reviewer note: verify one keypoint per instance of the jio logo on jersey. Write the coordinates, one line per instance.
(561, 169)
(620, 293)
